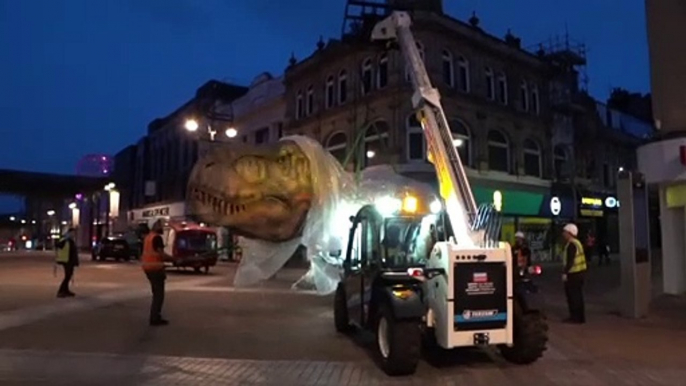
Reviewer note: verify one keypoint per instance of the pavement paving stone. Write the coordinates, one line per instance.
(53, 367)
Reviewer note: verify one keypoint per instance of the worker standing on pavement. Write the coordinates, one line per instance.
(521, 251)
(152, 261)
(574, 269)
(68, 258)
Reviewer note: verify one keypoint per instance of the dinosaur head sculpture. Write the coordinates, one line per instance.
(258, 192)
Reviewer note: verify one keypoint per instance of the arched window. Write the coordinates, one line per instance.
(420, 47)
(535, 100)
(448, 70)
(524, 95)
(367, 76)
(330, 93)
(490, 83)
(416, 147)
(337, 145)
(342, 87)
(462, 141)
(309, 106)
(502, 88)
(532, 158)
(498, 151)
(463, 74)
(382, 73)
(375, 142)
(299, 108)
(560, 159)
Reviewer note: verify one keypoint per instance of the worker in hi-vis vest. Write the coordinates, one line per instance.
(152, 261)
(574, 269)
(68, 258)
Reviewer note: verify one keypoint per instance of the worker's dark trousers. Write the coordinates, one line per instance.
(156, 279)
(575, 297)
(68, 274)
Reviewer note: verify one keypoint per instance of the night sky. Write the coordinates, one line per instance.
(86, 76)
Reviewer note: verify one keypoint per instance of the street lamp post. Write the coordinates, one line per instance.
(192, 126)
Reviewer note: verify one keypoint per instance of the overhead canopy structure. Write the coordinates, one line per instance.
(47, 185)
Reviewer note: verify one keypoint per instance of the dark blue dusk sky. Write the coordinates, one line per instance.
(86, 76)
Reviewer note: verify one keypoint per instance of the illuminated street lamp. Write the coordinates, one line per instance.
(72, 206)
(12, 218)
(191, 125)
(23, 221)
(370, 153)
(457, 142)
(51, 212)
(231, 132)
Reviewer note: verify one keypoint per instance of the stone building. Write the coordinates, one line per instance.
(514, 113)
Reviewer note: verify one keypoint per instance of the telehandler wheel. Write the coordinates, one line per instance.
(530, 338)
(340, 310)
(398, 343)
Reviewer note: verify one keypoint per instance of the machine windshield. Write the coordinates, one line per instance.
(407, 241)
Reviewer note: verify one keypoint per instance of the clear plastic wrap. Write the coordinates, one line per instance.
(337, 196)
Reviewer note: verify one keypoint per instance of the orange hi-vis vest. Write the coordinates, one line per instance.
(151, 260)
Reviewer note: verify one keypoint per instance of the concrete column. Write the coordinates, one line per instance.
(666, 31)
(660, 161)
(672, 221)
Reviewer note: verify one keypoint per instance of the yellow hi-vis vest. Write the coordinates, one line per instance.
(579, 264)
(63, 253)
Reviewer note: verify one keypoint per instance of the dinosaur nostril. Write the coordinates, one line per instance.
(209, 164)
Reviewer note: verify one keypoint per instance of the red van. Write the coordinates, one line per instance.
(191, 245)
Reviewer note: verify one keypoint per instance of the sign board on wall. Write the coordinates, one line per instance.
(150, 214)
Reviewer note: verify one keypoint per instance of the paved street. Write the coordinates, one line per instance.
(270, 335)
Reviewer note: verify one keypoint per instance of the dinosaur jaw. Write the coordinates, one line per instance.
(267, 217)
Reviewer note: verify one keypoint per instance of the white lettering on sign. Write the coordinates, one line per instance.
(611, 202)
(480, 288)
(469, 314)
(555, 206)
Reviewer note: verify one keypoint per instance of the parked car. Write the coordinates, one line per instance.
(114, 247)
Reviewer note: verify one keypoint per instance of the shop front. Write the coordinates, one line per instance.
(175, 211)
(528, 211)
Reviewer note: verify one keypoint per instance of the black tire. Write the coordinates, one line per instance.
(196, 269)
(530, 338)
(404, 341)
(340, 310)
(207, 270)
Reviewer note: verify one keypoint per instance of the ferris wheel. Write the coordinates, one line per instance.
(95, 165)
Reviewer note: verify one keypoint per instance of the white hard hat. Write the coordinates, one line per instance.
(519, 235)
(571, 229)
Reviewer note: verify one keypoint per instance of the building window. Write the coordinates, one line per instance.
(416, 147)
(337, 145)
(382, 73)
(448, 70)
(498, 151)
(310, 100)
(560, 160)
(462, 141)
(490, 84)
(502, 88)
(375, 142)
(463, 74)
(408, 68)
(535, 101)
(299, 108)
(342, 87)
(330, 92)
(532, 158)
(367, 76)
(279, 130)
(262, 136)
(524, 95)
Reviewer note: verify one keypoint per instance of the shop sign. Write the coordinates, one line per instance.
(591, 207)
(611, 202)
(555, 206)
(156, 212)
